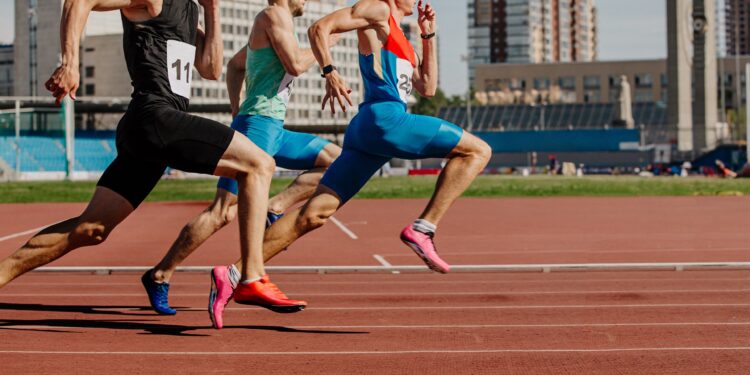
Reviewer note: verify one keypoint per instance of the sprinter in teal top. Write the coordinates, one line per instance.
(267, 65)
(268, 85)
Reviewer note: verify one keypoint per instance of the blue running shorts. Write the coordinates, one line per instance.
(291, 150)
(382, 131)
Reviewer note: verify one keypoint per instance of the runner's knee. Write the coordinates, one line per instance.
(89, 233)
(221, 214)
(313, 219)
(484, 151)
(262, 165)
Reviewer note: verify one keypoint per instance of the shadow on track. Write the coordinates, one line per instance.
(97, 310)
(147, 326)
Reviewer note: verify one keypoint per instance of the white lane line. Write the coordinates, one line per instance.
(344, 228)
(24, 233)
(493, 307)
(383, 262)
(616, 293)
(452, 282)
(571, 325)
(576, 251)
(466, 326)
(386, 352)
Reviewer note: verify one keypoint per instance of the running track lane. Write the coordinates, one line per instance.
(475, 231)
(563, 323)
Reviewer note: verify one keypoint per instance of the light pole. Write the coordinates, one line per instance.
(469, 119)
(541, 119)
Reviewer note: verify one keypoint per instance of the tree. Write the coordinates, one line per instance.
(429, 106)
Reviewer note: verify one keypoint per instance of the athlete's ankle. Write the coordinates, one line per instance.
(160, 276)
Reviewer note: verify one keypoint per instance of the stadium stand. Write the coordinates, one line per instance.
(94, 151)
(556, 116)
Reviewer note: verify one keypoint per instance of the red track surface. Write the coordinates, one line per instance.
(517, 323)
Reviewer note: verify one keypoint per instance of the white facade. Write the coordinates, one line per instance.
(530, 31)
(721, 28)
(525, 31)
(585, 30)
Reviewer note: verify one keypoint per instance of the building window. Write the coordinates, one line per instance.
(643, 80)
(517, 84)
(591, 82)
(643, 96)
(592, 96)
(90, 89)
(541, 83)
(89, 72)
(568, 83)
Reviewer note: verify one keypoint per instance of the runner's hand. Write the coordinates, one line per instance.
(426, 18)
(64, 81)
(336, 90)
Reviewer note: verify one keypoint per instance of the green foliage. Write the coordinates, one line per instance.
(429, 106)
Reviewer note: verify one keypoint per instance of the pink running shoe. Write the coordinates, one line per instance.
(424, 247)
(221, 294)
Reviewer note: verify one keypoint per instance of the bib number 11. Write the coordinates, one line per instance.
(180, 59)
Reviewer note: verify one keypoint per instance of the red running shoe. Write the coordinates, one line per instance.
(266, 294)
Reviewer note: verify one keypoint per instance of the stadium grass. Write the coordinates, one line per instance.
(410, 187)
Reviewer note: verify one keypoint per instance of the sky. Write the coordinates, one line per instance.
(628, 30)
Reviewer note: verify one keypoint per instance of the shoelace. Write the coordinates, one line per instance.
(162, 295)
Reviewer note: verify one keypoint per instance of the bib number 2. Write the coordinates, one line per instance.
(404, 71)
(180, 58)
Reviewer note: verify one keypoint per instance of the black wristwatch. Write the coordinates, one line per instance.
(427, 36)
(327, 70)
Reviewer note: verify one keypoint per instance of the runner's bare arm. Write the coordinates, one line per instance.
(281, 35)
(363, 14)
(235, 78)
(426, 75)
(65, 78)
(209, 48)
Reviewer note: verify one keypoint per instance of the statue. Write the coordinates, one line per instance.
(623, 107)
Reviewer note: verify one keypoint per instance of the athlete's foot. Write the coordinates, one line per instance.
(158, 294)
(423, 245)
(220, 295)
(266, 294)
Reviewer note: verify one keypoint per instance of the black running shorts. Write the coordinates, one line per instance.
(153, 137)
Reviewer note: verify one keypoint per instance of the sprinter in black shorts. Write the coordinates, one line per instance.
(163, 43)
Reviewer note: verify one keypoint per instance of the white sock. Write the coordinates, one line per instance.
(234, 276)
(249, 281)
(424, 226)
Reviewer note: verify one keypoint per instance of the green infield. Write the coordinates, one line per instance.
(410, 187)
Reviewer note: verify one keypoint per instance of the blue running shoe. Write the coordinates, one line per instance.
(272, 218)
(157, 294)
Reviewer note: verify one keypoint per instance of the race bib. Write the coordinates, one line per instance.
(285, 88)
(404, 72)
(180, 58)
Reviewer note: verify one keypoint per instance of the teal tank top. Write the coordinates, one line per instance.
(267, 85)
